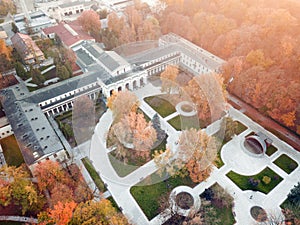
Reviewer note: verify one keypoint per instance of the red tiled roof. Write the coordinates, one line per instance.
(65, 35)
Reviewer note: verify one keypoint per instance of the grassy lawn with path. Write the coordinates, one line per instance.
(243, 181)
(148, 196)
(286, 163)
(123, 169)
(160, 105)
(11, 151)
(93, 173)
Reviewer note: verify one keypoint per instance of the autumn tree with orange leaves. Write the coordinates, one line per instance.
(135, 136)
(168, 78)
(102, 212)
(90, 22)
(195, 154)
(122, 103)
(60, 214)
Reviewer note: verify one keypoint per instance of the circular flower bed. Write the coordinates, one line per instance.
(184, 200)
(258, 213)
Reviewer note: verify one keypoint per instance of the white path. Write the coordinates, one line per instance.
(233, 156)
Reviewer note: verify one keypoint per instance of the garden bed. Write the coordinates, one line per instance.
(94, 175)
(271, 150)
(249, 182)
(160, 105)
(287, 164)
(11, 151)
(189, 123)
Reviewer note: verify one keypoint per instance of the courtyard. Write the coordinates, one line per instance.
(141, 206)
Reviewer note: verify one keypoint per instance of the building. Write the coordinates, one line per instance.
(70, 34)
(36, 138)
(75, 7)
(27, 49)
(118, 5)
(30, 114)
(32, 22)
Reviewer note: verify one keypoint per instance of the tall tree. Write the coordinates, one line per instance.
(135, 133)
(168, 78)
(102, 212)
(90, 21)
(122, 103)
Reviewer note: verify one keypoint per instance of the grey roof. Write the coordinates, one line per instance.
(202, 56)
(69, 85)
(70, 4)
(35, 136)
(109, 61)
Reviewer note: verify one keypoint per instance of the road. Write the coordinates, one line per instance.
(266, 122)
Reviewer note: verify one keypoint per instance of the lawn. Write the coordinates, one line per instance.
(219, 162)
(160, 105)
(240, 128)
(286, 163)
(243, 181)
(93, 173)
(188, 123)
(148, 196)
(123, 169)
(11, 151)
(271, 150)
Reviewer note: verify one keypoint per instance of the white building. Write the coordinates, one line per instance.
(35, 22)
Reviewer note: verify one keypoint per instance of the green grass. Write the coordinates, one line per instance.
(114, 204)
(121, 168)
(188, 123)
(64, 116)
(11, 151)
(271, 150)
(219, 162)
(148, 196)
(243, 181)
(225, 215)
(286, 163)
(240, 128)
(160, 105)
(93, 173)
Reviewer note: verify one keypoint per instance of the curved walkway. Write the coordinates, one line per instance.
(119, 187)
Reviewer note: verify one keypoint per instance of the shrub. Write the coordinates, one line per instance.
(266, 179)
(253, 182)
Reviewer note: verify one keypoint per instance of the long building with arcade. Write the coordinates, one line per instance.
(29, 114)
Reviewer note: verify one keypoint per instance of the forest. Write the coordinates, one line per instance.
(260, 42)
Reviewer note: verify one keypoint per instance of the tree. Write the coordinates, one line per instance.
(122, 103)
(208, 93)
(17, 188)
(48, 174)
(115, 23)
(61, 214)
(37, 77)
(7, 6)
(294, 195)
(168, 78)
(102, 212)
(20, 70)
(90, 22)
(135, 133)
(197, 150)
(62, 72)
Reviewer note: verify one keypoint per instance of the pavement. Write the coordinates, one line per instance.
(232, 154)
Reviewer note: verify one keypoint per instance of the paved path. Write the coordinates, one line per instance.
(232, 154)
